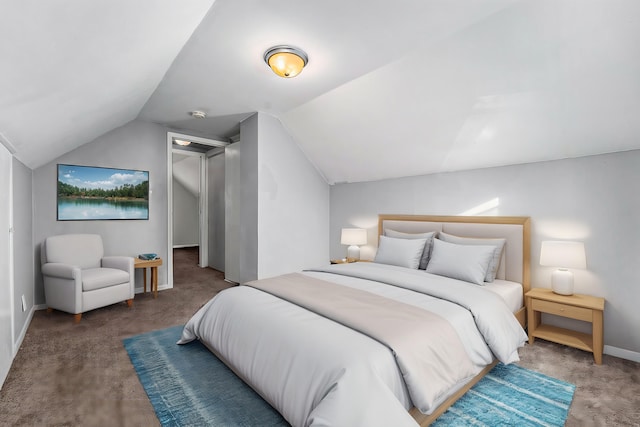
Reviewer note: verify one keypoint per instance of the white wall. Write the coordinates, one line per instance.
(232, 201)
(6, 288)
(247, 188)
(281, 200)
(186, 216)
(293, 210)
(23, 254)
(216, 200)
(136, 145)
(16, 257)
(592, 199)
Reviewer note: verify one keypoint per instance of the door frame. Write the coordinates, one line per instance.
(203, 260)
(7, 307)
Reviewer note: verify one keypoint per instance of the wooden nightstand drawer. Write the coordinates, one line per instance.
(563, 310)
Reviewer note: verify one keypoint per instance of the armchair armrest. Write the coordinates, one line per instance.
(63, 271)
(124, 263)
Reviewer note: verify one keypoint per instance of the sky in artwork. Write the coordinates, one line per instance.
(103, 178)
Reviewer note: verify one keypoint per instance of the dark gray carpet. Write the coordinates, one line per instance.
(81, 375)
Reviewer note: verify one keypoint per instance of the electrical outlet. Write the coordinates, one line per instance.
(24, 303)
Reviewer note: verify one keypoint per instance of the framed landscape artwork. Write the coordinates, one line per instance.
(87, 193)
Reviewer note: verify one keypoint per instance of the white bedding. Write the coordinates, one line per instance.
(510, 292)
(318, 372)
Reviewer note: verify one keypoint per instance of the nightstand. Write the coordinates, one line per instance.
(581, 307)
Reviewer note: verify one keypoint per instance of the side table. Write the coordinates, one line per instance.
(153, 264)
(581, 307)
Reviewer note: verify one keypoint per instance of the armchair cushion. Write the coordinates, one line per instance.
(97, 278)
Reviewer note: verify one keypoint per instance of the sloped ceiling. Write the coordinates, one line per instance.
(392, 88)
(72, 70)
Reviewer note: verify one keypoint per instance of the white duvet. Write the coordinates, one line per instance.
(316, 372)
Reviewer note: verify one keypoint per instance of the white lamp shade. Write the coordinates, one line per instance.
(563, 254)
(353, 236)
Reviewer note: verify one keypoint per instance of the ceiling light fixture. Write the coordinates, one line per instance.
(199, 114)
(182, 142)
(286, 61)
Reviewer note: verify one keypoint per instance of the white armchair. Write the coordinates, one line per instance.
(78, 277)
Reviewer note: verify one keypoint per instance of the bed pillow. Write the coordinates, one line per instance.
(400, 252)
(426, 253)
(498, 244)
(462, 262)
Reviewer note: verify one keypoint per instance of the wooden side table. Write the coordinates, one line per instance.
(576, 306)
(153, 264)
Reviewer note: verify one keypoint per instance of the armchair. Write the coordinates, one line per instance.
(78, 277)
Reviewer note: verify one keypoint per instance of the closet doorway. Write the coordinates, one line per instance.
(188, 198)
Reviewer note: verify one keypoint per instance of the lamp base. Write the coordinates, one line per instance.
(562, 282)
(353, 253)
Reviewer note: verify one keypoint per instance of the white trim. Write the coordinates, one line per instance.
(203, 210)
(140, 290)
(204, 233)
(204, 141)
(5, 141)
(12, 232)
(191, 245)
(622, 353)
(25, 327)
(170, 137)
(203, 214)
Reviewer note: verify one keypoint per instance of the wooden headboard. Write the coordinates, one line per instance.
(515, 265)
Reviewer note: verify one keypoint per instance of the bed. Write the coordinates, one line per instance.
(379, 343)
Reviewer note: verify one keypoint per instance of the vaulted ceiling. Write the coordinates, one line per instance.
(392, 88)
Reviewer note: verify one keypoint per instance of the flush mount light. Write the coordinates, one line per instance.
(182, 142)
(286, 61)
(198, 114)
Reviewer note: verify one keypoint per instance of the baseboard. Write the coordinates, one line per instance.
(622, 353)
(23, 333)
(140, 290)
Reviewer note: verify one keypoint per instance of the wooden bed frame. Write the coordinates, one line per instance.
(422, 223)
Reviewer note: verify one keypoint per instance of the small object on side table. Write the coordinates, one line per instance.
(581, 307)
(153, 264)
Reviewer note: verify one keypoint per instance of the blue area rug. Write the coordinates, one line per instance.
(511, 396)
(189, 386)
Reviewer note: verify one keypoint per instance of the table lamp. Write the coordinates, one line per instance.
(353, 237)
(564, 255)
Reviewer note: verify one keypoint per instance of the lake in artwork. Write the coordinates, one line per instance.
(96, 193)
(76, 209)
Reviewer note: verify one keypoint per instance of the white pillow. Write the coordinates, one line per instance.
(462, 262)
(498, 244)
(401, 252)
(426, 253)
